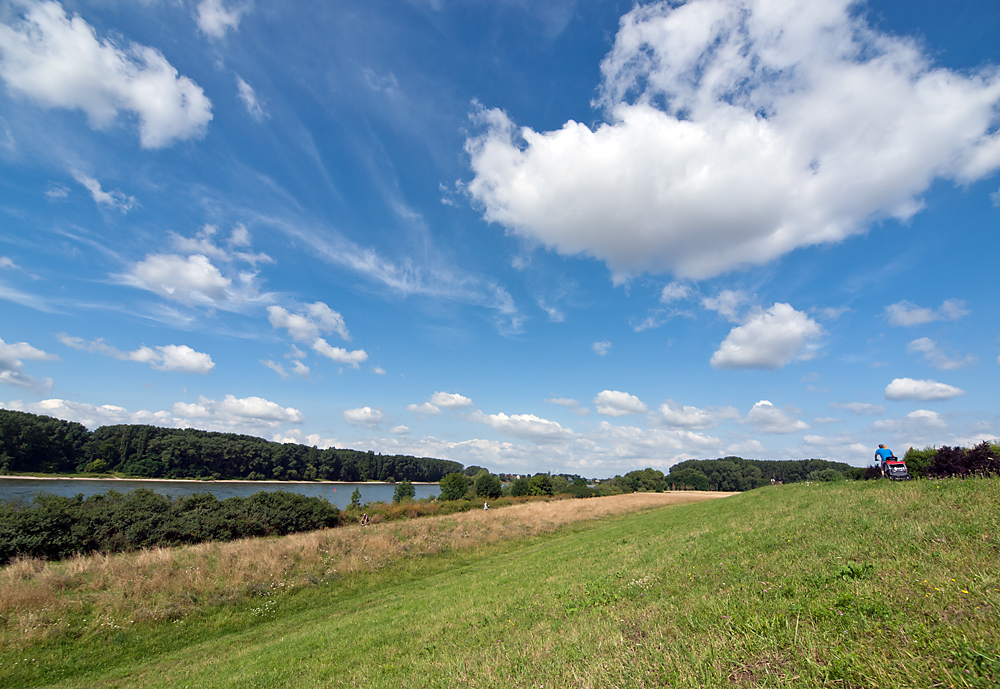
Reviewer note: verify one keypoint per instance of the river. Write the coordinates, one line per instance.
(338, 494)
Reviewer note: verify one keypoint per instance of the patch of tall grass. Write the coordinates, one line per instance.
(42, 600)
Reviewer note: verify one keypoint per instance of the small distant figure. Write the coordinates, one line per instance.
(772, 480)
(883, 455)
(486, 505)
(781, 482)
(364, 519)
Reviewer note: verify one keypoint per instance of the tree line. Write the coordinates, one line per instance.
(54, 527)
(33, 443)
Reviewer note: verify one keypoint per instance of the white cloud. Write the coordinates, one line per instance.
(114, 200)
(447, 400)
(737, 131)
(936, 356)
(860, 408)
(526, 426)
(767, 418)
(250, 101)
(215, 18)
(180, 358)
(400, 430)
(353, 358)
(5, 262)
(189, 280)
(922, 390)
(306, 327)
(768, 339)
(235, 412)
(12, 358)
(921, 424)
(906, 314)
(204, 243)
(363, 416)
(378, 370)
(616, 403)
(248, 415)
(60, 63)
(693, 418)
(195, 280)
(655, 447)
(728, 303)
(675, 291)
(602, 348)
(422, 410)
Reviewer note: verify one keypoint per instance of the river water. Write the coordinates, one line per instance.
(338, 494)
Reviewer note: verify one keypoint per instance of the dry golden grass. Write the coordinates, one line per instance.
(39, 599)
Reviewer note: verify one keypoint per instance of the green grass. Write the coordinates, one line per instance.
(840, 585)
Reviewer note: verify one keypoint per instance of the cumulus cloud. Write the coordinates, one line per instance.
(12, 358)
(735, 132)
(767, 418)
(572, 405)
(652, 446)
(938, 358)
(422, 410)
(234, 411)
(616, 403)
(363, 416)
(728, 303)
(317, 319)
(191, 279)
(203, 273)
(216, 18)
(113, 200)
(59, 62)
(247, 415)
(768, 339)
(907, 314)
(447, 400)
(179, 358)
(526, 426)
(919, 424)
(692, 418)
(352, 358)
(675, 291)
(922, 390)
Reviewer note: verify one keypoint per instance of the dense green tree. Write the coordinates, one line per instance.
(689, 478)
(487, 485)
(453, 486)
(404, 492)
(518, 487)
(540, 484)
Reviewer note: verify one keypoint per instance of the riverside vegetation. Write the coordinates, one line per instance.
(839, 584)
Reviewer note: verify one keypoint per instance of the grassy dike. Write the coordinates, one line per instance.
(840, 585)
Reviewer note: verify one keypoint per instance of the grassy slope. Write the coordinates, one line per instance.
(856, 585)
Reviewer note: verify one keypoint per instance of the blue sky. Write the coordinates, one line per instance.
(572, 236)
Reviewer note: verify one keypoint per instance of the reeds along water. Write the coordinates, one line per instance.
(36, 597)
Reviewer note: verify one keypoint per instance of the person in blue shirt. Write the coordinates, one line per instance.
(883, 455)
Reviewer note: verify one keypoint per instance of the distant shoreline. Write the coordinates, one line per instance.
(195, 480)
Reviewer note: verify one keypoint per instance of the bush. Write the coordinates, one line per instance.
(55, 527)
(981, 460)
